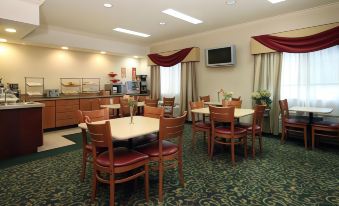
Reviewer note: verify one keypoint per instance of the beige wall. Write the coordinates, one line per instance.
(19, 61)
(239, 78)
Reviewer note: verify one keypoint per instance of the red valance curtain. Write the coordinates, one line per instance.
(305, 44)
(171, 60)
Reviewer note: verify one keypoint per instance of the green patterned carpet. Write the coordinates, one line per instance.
(282, 175)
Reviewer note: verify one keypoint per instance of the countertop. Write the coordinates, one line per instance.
(82, 97)
(21, 105)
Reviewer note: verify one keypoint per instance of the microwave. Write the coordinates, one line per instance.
(132, 87)
(115, 88)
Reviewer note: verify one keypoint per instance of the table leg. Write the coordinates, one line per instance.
(309, 129)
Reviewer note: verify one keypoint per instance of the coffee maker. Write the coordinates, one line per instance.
(143, 83)
(14, 88)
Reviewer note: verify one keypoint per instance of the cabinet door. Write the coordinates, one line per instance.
(48, 117)
(85, 104)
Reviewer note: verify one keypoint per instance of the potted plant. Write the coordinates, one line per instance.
(132, 104)
(262, 97)
(226, 95)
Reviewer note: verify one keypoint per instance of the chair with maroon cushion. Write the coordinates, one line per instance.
(114, 161)
(325, 129)
(231, 134)
(168, 104)
(151, 102)
(291, 124)
(163, 150)
(152, 112)
(255, 129)
(96, 115)
(125, 109)
(200, 126)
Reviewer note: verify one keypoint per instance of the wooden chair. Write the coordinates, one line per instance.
(291, 124)
(205, 98)
(168, 104)
(114, 161)
(163, 150)
(199, 126)
(231, 134)
(151, 102)
(325, 129)
(96, 115)
(232, 103)
(152, 112)
(255, 129)
(124, 108)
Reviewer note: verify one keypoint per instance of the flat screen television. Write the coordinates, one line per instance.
(222, 56)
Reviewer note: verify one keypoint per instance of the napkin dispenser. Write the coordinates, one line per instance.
(52, 93)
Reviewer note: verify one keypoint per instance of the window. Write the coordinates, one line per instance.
(170, 81)
(311, 79)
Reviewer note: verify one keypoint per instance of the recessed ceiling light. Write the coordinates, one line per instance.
(276, 1)
(103, 52)
(162, 23)
(10, 30)
(107, 5)
(131, 32)
(182, 16)
(230, 2)
(3, 40)
(136, 57)
(64, 47)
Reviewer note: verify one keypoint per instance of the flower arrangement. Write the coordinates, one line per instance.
(262, 97)
(132, 104)
(225, 95)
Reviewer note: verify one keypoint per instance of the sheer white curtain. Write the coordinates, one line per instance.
(311, 79)
(170, 81)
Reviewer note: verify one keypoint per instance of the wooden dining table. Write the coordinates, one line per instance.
(122, 129)
(238, 112)
(311, 111)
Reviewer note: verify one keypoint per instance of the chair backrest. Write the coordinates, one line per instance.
(124, 108)
(205, 98)
(232, 103)
(258, 115)
(221, 114)
(236, 98)
(95, 115)
(284, 109)
(100, 135)
(168, 104)
(151, 102)
(172, 128)
(196, 105)
(142, 98)
(153, 112)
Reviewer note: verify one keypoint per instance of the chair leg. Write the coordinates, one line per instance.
(83, 166)
(161, 179)
(146, 182)
(253, 145)
(260, 142)
(193, 138)
(111, 190)
(209, 143)
(232, 152)
(305, 137)
(180, 169)
(312, 138)
(212, 146)
(283, 133)
(245, 146)
(94, 185)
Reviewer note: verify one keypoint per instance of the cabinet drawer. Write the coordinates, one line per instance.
(65, 122)
(66, 115)
(67, 102)
(68, 108)
(48, 103)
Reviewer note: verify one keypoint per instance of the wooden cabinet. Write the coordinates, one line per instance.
(66, 112)
(48, 114)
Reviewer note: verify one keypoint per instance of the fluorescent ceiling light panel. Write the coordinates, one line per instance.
(10, 30)
(131, 32)
(182, 16)
(276, 1)
(3, 40)
(107, 5)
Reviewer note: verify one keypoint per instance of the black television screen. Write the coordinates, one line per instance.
(224, 56)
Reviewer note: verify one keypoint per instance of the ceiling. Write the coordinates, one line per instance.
(90, 16)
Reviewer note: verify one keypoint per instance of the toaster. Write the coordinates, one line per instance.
(52, 93)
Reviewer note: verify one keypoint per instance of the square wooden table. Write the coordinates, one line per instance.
(238, 112)
(121, 129)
